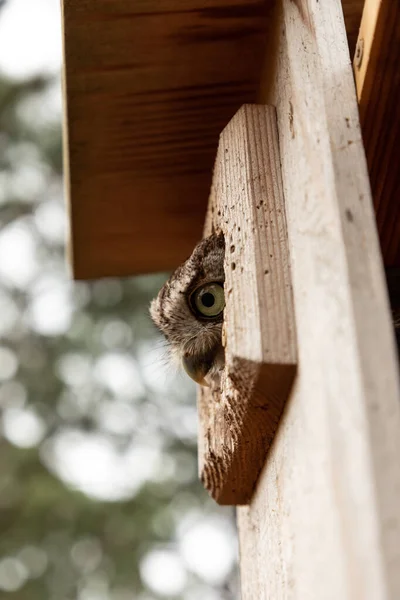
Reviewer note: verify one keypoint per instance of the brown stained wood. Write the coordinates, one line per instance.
(149, 85)
(239, 420)
(352, 12)
(324, 522)
(377, 75)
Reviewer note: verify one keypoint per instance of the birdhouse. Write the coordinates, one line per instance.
(190, 116)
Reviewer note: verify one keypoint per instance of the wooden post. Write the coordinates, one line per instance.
(324, 521)
(239, 421)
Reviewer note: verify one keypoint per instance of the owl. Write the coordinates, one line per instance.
(189, 311)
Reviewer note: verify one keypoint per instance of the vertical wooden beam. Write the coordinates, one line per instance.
(377, 75)
(239, 419)
(325, 519)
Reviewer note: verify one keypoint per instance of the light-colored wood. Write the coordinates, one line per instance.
(366, 36)
(149, 87)
(325, 519)
(238, 421)
(377, 75)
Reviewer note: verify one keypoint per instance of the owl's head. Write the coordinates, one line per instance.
(189, 310)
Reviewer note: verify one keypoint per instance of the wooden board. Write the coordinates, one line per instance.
(324, 522)
(377, 74)
(149, 85)
(238, 419)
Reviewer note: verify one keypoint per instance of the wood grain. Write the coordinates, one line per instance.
(377, 77)
(324, 522)
(239, 420)
(149, 86)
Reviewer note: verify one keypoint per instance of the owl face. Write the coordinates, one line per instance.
(189, 310)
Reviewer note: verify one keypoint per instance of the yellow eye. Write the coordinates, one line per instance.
(209, 299)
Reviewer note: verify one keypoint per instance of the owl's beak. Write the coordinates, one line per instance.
(197, 368)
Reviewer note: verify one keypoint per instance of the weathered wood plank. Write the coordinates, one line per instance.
(239, 419)
(377, 74)
(324, 521)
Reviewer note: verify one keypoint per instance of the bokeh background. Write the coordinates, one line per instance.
(99, 495)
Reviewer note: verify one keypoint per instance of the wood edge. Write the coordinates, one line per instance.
(240, 451)
(260, 412)
(69, 242)
(365, 42)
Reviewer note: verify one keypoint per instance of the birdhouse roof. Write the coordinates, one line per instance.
(149, 86)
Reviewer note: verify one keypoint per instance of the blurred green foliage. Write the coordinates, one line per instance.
(59, 541)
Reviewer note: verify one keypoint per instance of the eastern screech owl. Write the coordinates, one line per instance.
(189, 311)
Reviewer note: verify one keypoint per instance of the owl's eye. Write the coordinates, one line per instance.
(209, 300)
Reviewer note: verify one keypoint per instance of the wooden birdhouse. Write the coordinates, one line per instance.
(276, 122)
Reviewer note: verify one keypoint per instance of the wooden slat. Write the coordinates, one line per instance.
(377, 74)
(149, 85)
(325, 519)
(239, 419)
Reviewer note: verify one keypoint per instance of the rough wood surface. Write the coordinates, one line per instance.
(324, 522)
(238, 422)
(377, 74)
(149, 86)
